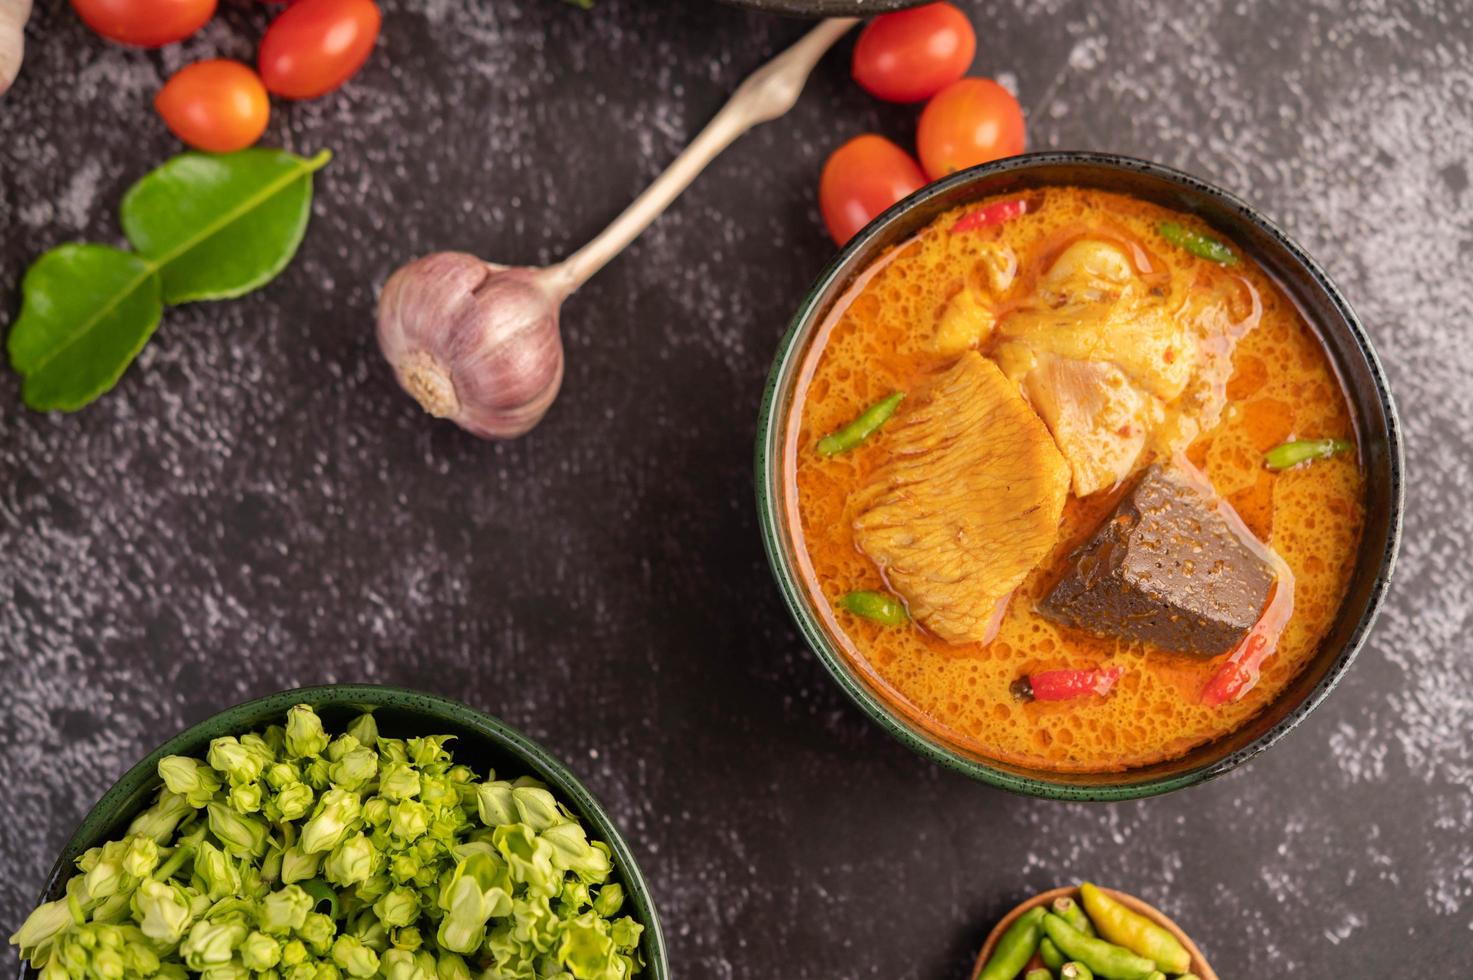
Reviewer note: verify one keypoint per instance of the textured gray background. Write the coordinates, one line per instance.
(256, 506)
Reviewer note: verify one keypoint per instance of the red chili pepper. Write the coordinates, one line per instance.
(1239, 673)
(993, 214)
(1065, 685)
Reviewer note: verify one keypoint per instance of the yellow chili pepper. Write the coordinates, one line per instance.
(1134, 931)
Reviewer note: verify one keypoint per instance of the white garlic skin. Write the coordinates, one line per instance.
(474, 342)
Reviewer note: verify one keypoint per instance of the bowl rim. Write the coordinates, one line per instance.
(538, 761)
(768, 484)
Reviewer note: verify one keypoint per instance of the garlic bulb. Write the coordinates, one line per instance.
(13, 17)
(478, 343)
(474, 342)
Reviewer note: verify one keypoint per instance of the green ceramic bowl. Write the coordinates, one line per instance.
(1326, 310)
(481, 741)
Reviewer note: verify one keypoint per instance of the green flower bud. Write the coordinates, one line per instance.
(407, 937)
(610, 900)
(451, 967)
(436, 790)
(294, 953)
(218, 875)
(352, 861)
(404, 867)
(285, 911)
(226, 971)
(261, 748)
(584, 949)
(478, 889)
(142, 856)
(162, 910)
(238, 763)
(211, 944)
(392, 749)
(241, 835)
(374, 888)
(315, 774)
(317, 932)
(537, 808)
(246, 797)
(400, 964)
(376, 812)
(304, 734)
(625, 932)
(364, 729)
(280, 775)
(572, 851)
(336, 811)
(398, 781)
(410, 820)
(190, 778)
(428, 750)
(296, 866)
(105, 879)
(294, 801)
(400, 907)
(341, 746)
(528, 856)
(260, 951)
(354, 769)
(356, 959)
(140, 959)
(495, 804)
(41, 927)
(159, 821)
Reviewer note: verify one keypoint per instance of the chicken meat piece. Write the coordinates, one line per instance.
(1101, 359)
(968, 501)
(967, 319)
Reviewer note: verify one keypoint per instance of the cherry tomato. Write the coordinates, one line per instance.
(217, 105)
(911, 55)
(316, 45)
(862, 178)
(145, 23)
(971, 121)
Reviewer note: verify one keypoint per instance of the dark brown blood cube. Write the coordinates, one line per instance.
(1165, 568)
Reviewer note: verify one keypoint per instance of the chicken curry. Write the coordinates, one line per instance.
(1074, 483)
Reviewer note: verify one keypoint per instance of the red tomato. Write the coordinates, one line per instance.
(145, 23)
(969, 122)
(911, 55)
(217, 106)
(316, 45)
(862, 178)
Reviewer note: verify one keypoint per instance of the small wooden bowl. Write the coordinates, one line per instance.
(1199, 962)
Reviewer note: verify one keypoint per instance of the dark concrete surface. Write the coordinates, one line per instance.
(256, 506)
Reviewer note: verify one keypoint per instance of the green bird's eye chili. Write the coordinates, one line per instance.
(1068, 910)
(879, 606)
(1289, 454)
(1103, 958)
(1015, 948)
(865, 425)
(1134, 931)
(1200, 245)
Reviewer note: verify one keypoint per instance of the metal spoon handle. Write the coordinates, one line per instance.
(767, 93)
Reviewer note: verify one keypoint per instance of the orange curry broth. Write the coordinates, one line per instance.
(1282, 387)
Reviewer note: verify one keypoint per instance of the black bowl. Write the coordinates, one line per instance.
(482, 742)
(1324, 308)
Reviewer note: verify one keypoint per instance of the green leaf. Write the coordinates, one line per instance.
(217, 226)
(86, 312)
